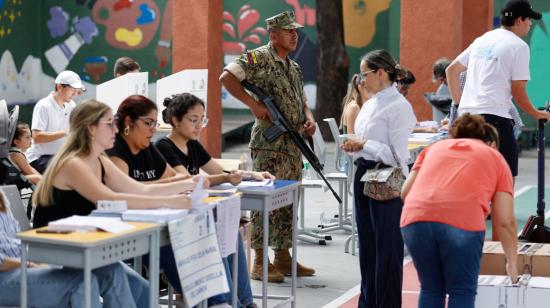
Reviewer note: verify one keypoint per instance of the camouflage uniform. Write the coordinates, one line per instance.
(283, 80)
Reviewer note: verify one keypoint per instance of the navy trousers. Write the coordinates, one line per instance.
(380, 246)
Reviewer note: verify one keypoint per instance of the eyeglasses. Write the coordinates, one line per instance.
(149, 122)
(110, 124)
(203, 121)
(364, 74)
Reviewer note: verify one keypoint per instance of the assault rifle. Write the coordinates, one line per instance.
(281, 126)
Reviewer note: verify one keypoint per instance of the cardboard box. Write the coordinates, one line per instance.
(495, 291)
(540, 261)
(493, 260)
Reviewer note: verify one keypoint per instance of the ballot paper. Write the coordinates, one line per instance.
(154, 215)
(89, 224)
(243, 184)
(263, 183)
(228, 216)
(197, 256)
(199, 194)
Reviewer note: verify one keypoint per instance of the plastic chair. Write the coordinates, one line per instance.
(16, 206)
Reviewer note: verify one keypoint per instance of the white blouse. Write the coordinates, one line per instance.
(385, 118)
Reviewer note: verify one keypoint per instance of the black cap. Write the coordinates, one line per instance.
(519, 8)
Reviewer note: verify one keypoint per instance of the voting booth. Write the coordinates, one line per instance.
(114, 91)
(194, 81)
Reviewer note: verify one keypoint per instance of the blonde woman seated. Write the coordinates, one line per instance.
(353, 101)
(80, 174)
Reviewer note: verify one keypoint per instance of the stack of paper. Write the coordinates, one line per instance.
(89, 224)
(424, 138)
(154, 215)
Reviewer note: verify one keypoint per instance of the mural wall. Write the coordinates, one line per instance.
(39, 39)
(369, 24)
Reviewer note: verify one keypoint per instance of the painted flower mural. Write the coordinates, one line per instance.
(242, 30)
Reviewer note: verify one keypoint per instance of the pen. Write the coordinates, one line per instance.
(53, 231)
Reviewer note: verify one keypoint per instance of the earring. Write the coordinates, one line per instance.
(127, 130)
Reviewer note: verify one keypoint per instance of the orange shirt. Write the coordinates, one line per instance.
(456, 180)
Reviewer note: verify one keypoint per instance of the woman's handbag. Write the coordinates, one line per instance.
(384, 183)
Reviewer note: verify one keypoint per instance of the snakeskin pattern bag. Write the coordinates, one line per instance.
(384, 183)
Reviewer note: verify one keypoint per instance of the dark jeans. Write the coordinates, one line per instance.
(508, 145)
(41, 163)
(380, 246)
(244, 292)
(447, 261)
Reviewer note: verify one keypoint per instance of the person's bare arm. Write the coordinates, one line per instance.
(506, 227)
(351, 116)
(76, 175)
(23, 164)
(10, 264)
(453, 79)
(408, 185)
(233, 86)
(118, 180)
(519, 93)
(43, 137)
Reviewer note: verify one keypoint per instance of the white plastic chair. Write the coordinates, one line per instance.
(16, 206)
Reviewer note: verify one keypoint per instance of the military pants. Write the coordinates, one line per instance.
(286, 167)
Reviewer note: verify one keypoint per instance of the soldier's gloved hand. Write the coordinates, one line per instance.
(309, 128)
(260, 111)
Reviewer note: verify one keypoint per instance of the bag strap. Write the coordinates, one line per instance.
(395, 157)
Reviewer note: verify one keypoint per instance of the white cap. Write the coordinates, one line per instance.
(70, 78)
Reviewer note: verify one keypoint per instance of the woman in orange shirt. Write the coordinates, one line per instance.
(446, 200)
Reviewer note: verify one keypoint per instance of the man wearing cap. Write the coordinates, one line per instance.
(498, 70)
(270, 68)
(50, 119)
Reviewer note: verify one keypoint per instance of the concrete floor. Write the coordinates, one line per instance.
(338, 272)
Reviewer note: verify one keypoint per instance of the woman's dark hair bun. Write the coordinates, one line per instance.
(167, 101)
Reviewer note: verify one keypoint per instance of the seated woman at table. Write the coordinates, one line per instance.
(80, 174)
(135, 155)
(181, 148)
(62, 287)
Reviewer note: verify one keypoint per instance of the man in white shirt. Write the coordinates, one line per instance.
(50, 119)
(498, 70)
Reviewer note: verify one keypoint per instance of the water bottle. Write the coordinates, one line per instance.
(246, 162)
(305, 171)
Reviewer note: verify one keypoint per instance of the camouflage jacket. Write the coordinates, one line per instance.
(285, 83)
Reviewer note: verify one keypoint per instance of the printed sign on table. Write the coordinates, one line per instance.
(195, 245)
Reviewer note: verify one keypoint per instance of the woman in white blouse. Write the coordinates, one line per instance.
(386, 119)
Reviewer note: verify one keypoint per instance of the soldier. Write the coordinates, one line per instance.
(270, 68)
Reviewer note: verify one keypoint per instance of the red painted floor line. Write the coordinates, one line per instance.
(411, 288)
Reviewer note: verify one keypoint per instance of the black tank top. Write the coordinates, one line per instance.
(66, 203)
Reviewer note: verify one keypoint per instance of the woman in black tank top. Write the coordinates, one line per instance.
(79, 175)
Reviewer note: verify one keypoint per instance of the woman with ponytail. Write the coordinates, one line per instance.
(385, 121)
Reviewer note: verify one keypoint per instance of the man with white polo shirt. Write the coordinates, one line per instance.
(50, 119)
(498, 70)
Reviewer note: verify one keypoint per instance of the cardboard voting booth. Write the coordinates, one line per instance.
(194, 81)
(114, 91)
